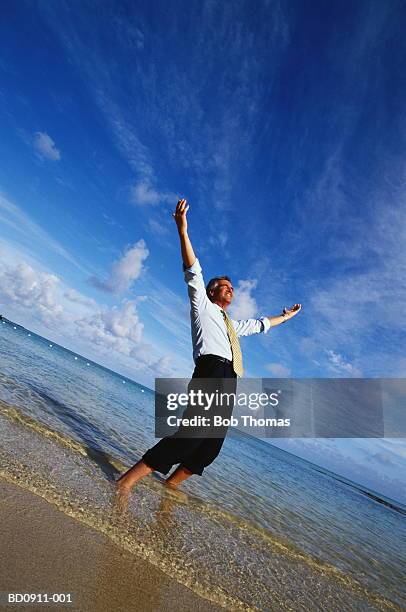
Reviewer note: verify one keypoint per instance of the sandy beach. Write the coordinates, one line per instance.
(45, 551)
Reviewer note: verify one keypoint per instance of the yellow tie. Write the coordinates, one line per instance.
(235, 345)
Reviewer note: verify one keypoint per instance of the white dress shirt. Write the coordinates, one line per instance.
(209, 332)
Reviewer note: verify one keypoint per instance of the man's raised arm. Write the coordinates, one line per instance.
(188, 254)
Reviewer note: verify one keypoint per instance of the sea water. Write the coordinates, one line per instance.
(262, 529)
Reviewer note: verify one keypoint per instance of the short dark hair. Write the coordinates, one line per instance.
(213, 282)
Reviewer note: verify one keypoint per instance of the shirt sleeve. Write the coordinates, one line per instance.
(251, 326)
(196, 287)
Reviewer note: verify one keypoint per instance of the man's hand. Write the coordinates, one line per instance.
(288, 313)
(180, 216)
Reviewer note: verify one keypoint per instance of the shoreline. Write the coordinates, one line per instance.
(46, 551)
(48, 473)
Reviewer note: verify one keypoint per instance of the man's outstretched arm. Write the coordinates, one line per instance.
(287, 314)
(256, 326)
(188, 254)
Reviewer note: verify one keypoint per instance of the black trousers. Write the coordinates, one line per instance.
(194, 453)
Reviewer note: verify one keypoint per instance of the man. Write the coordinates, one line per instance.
(216, 353)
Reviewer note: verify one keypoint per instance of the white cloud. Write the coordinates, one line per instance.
(45, 146)
(124, 133)
(364, 269)
(113, 336)
(395, 447)
(218, 237)
(339, 366)
(24, 289)
(164, 367)
(278, 370)
(140, 38)
(111, 221)
(158, 227)
(222, 238)
(21, 285)
(171, 312)
(244, 305)
(144, 194)
(116, 336)
(124, 271)
(382, 458)
(116, 328)
(74, 296)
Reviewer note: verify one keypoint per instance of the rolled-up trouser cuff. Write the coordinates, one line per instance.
(157, 467)
(164, 468)
(194, 469)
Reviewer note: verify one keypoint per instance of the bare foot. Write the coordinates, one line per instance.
(173, 489)
(121, 497)
(170, 485)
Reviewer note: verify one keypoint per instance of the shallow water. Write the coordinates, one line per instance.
(261, 528)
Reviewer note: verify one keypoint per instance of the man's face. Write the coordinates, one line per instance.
(223, 293)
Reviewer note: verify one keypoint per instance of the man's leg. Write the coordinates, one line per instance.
(125, 483)
(204, 455)
(179, 475)
(210, 447)
(132, 476)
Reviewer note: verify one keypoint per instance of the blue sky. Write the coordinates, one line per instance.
(283, 126)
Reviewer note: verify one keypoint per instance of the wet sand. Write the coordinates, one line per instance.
(60, 533)
(45, 551)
